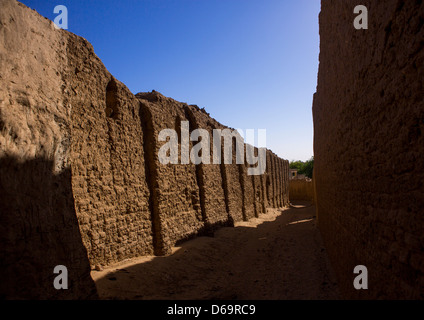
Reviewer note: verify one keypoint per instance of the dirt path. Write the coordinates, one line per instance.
(278, 256)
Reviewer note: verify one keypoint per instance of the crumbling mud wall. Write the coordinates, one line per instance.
(286, 182)
(211, 183)
(39, 227)
(368, 140)
(279, 181)
(107, 159)
(81, 184)
(269, 185)
(248, 190)
(286, 186)
(282, 199)
(233, 189)
(259, 190)
(273, 181)
(175, 202)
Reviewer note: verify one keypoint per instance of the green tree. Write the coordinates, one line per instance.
(297, 165)
(308, 168)
(305, 168)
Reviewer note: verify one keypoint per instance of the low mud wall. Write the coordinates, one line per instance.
(301, 189)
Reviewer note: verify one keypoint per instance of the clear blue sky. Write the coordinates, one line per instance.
(251, 63)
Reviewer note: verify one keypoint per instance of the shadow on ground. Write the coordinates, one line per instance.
(277, 256)
(38, 231)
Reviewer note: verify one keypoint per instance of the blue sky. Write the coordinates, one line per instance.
(252, 64)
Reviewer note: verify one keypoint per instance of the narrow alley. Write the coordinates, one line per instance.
(277, 256)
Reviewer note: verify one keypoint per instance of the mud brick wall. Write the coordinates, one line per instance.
(265, 189)
(270, 179)
(369, 144)
(282, 186)
(279, 179)
(248, 190)
(107, 160)
(279, 162)
(286, 190)
(280, 182)
(275, 174)
(264, 192)
(274, 177)
(211, 184)
(175, 202)
(301, 189)
(257, 194)
(232, 181)
(283, 202)
(259, 191)
(80, 180)
(283, 180)
(38, 223)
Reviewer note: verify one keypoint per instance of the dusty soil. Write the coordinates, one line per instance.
(277, 256)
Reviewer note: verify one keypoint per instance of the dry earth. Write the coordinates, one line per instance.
(277, 256)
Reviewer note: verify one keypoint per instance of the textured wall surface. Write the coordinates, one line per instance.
(269, 185)
(259, 191)
(248, 191)
(232, 179)
(39, 227)
(80, 180)
(279, 181)
(301, 189)
(286, 191)
(176, 201)
(369, 145)
(107, 160)
(210, 177)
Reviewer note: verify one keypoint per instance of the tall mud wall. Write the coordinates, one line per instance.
(210, 178)
(81, 184)
(175, 203)
(259, 190)
(369, 144)
(233, 187)
(248, 190)
(107, 159)
(39, 228)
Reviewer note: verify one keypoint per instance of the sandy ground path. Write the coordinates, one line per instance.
(277, 256)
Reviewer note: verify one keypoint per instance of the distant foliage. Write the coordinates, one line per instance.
(305, 168)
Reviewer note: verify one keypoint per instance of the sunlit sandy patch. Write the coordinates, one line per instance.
(300, 221)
